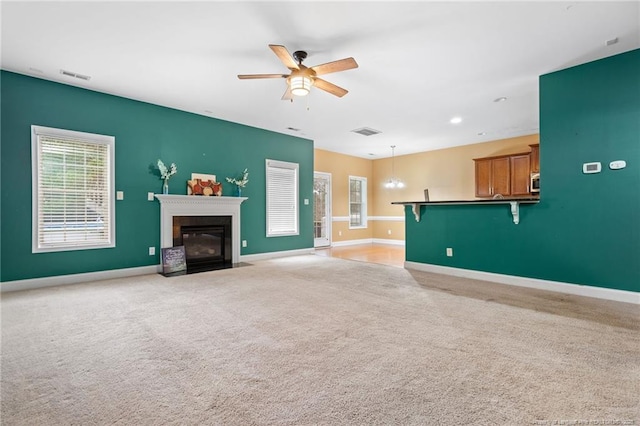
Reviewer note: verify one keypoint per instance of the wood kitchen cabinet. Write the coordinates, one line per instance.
(493, 176)
(520, 174)
(507, 175)
(535, 158)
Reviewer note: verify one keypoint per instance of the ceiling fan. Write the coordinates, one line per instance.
(301, 78)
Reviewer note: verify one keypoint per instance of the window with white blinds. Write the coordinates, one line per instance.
(73, 180)
(357, 202)
(282, 198)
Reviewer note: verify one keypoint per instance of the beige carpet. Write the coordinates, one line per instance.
(315, 340)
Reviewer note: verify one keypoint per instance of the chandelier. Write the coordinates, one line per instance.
(393, 182)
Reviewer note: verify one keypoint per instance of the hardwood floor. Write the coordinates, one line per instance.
(385, 254)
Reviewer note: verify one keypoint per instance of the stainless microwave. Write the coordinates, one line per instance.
(535, 183)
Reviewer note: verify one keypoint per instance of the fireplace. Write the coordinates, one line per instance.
(207, 241)
(193, 206)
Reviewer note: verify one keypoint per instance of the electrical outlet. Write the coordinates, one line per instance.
(339, 233)
(306, 201)
(449, 252)
(244, 243)
(119, 195)
(152, 251)
(388, 231)
(150, 196)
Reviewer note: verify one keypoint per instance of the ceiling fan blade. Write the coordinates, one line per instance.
(284, 55)
(335, 66)
(287, 94)
(251, 76)
(329, 87)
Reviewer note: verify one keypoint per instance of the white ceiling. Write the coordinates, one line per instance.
(420, 63)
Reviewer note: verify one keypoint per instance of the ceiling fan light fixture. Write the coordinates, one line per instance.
(300, 85)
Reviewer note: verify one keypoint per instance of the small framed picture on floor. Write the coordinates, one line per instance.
(174, 261)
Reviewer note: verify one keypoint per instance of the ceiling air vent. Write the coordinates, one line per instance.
(366, 131)
(75, 75)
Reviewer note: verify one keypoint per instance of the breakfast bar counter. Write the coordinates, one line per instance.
(513, 202)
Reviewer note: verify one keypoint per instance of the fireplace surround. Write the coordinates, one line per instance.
(206, 240)
(200, 206)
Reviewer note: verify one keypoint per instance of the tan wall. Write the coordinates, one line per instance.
(381, 230)
(340, 167)
(449, 174)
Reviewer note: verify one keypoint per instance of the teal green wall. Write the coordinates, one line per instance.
(144, 133)
(586, 228)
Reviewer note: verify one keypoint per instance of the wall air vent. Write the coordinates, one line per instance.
(366, 131)
(75, 75)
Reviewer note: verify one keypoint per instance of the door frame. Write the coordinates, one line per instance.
(319, 242)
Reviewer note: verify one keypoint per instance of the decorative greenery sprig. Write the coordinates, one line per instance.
(242, 182)
(165, 173)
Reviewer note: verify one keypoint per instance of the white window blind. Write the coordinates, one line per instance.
(282, 198)
(73, 206)
(357, 202)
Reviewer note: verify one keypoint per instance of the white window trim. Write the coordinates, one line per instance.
(364, 203)
(291, 166)
(35, 160)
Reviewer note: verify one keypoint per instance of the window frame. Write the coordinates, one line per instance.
(290, 166)
(75, 136)
(363, 203)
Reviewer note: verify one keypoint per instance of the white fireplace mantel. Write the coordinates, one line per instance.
(194, 205)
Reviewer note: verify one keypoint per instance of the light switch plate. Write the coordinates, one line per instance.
(119, 195)
(150, 196)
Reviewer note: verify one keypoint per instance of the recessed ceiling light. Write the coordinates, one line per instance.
(456, 120)
(500, 99)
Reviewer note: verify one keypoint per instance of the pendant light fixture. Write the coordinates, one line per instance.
(393, 181)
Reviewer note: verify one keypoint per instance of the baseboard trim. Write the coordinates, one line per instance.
(388, 241)
(560, 287)
(351, 242)
(34, 283)
(367, 241)
(274, 254)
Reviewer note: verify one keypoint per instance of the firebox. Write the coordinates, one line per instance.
(206, 240)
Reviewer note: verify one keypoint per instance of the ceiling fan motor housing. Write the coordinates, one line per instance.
(299, 55)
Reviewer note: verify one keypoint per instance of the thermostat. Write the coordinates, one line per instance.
(591, 167)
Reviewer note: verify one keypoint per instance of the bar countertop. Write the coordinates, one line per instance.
(513, 202)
